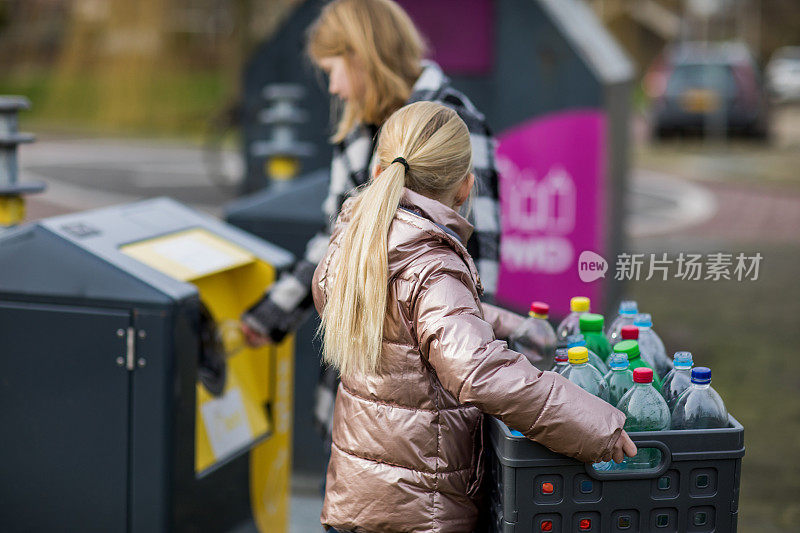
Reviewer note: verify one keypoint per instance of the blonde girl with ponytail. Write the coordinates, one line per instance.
(417, 351)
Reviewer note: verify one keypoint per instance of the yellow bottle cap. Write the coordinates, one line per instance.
(578, 355)
(579, 304)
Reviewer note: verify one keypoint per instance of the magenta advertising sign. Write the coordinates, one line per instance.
(552, 197)
(465, 43)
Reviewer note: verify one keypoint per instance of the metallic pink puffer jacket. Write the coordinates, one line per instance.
(406, 448)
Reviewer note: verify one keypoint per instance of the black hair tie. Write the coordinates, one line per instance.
(402, 161)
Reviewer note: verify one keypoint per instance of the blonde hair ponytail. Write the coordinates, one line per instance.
(435, 143)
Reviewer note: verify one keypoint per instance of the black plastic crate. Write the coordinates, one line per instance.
(694, 486)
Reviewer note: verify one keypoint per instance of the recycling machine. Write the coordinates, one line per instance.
(129, 402)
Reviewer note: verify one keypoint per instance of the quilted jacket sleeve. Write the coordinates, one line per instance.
(503, 321)
(478, 369)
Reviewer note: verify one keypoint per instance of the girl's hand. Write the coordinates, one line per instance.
(624, 447)
(252, 337)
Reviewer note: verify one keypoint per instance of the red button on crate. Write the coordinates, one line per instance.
(548, 488)
(547, 525)
(585, 524)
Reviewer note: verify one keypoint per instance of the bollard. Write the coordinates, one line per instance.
(283, 150)
(12, 203)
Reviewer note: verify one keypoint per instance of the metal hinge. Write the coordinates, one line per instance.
(129, 361)
(130, 349)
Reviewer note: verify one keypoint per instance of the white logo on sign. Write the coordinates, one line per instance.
(226, 423)
(547, 205)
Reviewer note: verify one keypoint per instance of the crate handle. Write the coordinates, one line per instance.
(644, 473)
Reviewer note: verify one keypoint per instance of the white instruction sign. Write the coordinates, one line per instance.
(226, 423)
(193, 253)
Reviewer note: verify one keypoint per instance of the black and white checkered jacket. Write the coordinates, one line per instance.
(288, 302)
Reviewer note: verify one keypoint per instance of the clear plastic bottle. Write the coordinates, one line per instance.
(561, 361)
(631, 349)
(619, 378)
(628, 309)
(591, 325)
(584, 375)
(594, 359)
(645, 410)
(700, 407)
(679, 378)
(535, 338)
(570, 325)
(628, 333)
(651, 346)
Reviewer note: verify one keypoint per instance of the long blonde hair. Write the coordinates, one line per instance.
(435, 143)
(378, 38)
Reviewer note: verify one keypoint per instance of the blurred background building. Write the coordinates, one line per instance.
(160, 66)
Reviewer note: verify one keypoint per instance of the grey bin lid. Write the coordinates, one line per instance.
(78, 257)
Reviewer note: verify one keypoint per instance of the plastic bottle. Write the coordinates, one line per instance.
(230, 335)
(645, 410)
(584, 375)
(628, 309)
(619, 378)
(594, 359)
(631, 349)
(628, 333)
(570, 325)
(561, 361)
(699, 407)
(650, 345)
(679, 378)
(591, 325)
(535, 338)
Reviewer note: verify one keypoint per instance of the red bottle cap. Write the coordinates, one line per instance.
(629, 333)
(642, 375)
(540, 308)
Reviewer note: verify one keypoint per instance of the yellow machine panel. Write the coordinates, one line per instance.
(254, 410)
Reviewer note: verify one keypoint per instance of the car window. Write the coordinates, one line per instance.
(718, 78)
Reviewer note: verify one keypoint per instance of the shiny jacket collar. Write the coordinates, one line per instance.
(438, 213)
(446, 222)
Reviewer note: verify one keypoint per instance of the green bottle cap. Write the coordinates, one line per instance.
(629, 348)
(591, 322)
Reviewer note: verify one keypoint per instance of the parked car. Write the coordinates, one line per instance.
(783, 74)
(709, 87)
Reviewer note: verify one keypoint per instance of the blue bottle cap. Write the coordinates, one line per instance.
(628, 307)
(682, 360)
(643, 320)
(619, 361)
(701, 375)
(576, 340)
(561, 355)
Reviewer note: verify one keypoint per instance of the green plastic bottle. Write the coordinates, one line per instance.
(594, 359)
(645, 410)
(619, 378)
(591, 325)
(631, 349)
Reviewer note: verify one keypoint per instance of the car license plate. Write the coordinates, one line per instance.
(700, 101)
